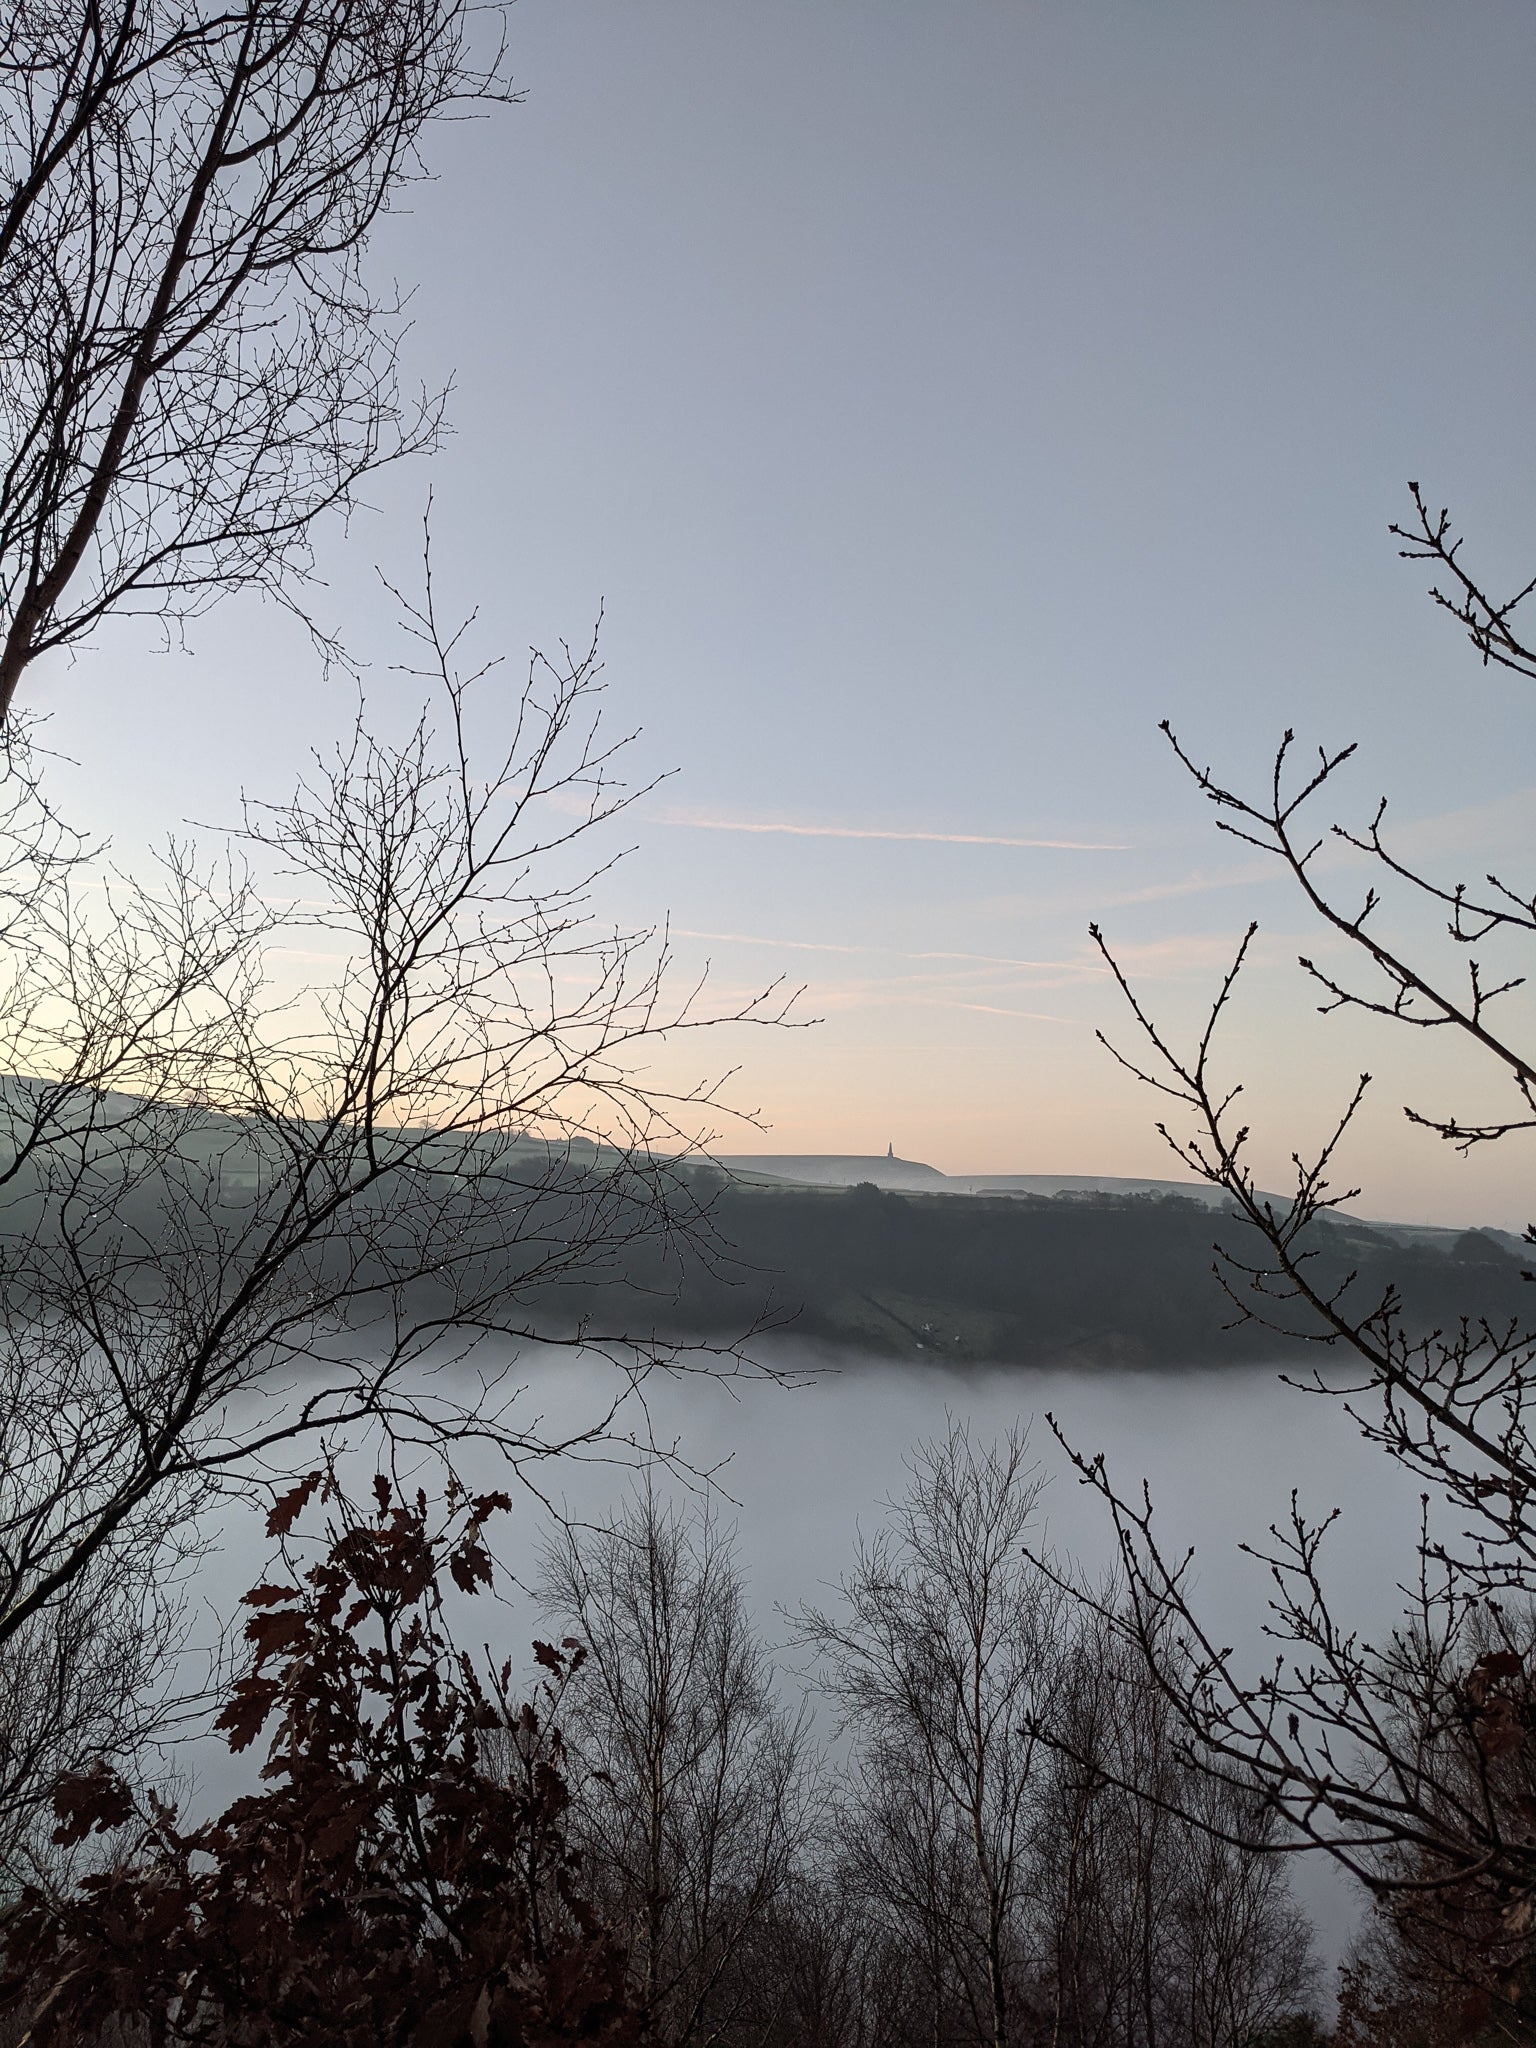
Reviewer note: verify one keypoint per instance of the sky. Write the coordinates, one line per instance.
(934, 398)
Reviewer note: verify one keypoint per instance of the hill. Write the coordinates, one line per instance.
(1089, 1276)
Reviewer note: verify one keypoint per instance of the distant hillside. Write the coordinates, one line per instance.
(883, 1170)
(837, 1170)
(878, 1255)
(1090, 1277)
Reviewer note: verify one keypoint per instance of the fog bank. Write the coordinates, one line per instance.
(801, 1469)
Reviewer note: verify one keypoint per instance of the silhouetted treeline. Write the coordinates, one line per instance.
(1096, 1280)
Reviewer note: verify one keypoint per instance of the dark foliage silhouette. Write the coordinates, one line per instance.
(403, 1876)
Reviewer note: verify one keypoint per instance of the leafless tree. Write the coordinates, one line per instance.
(1101, 1894)
(696, 1796)
(841, 1977)
(193, 363)
(1151, 1924)
(1014, 1817)
(906, 1865)
(98, 1679)
(237, 1214)
(1396, 1756)
(937, 1663)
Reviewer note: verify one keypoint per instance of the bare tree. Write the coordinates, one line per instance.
(236, 1215)
(1103, 1904)
(1151, 1924)
(907, 1864)
(695, 1798)
(937, 1664)
(193, 364)
(98, 1679)
(840, 1976)
(1014, 1816)
(1404, 1758)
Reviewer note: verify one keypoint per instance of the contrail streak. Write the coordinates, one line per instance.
(789, 945)
(1087, 967)
(869, 832)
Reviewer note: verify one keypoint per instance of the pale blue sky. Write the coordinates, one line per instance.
(938, 395)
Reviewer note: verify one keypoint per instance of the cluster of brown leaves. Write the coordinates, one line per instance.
(1497, 1716)
(1449, 1961)
(403, 1875)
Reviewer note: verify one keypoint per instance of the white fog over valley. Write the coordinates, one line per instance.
(801, 1469)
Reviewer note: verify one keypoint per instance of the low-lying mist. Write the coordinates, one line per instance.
(800, 1469)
